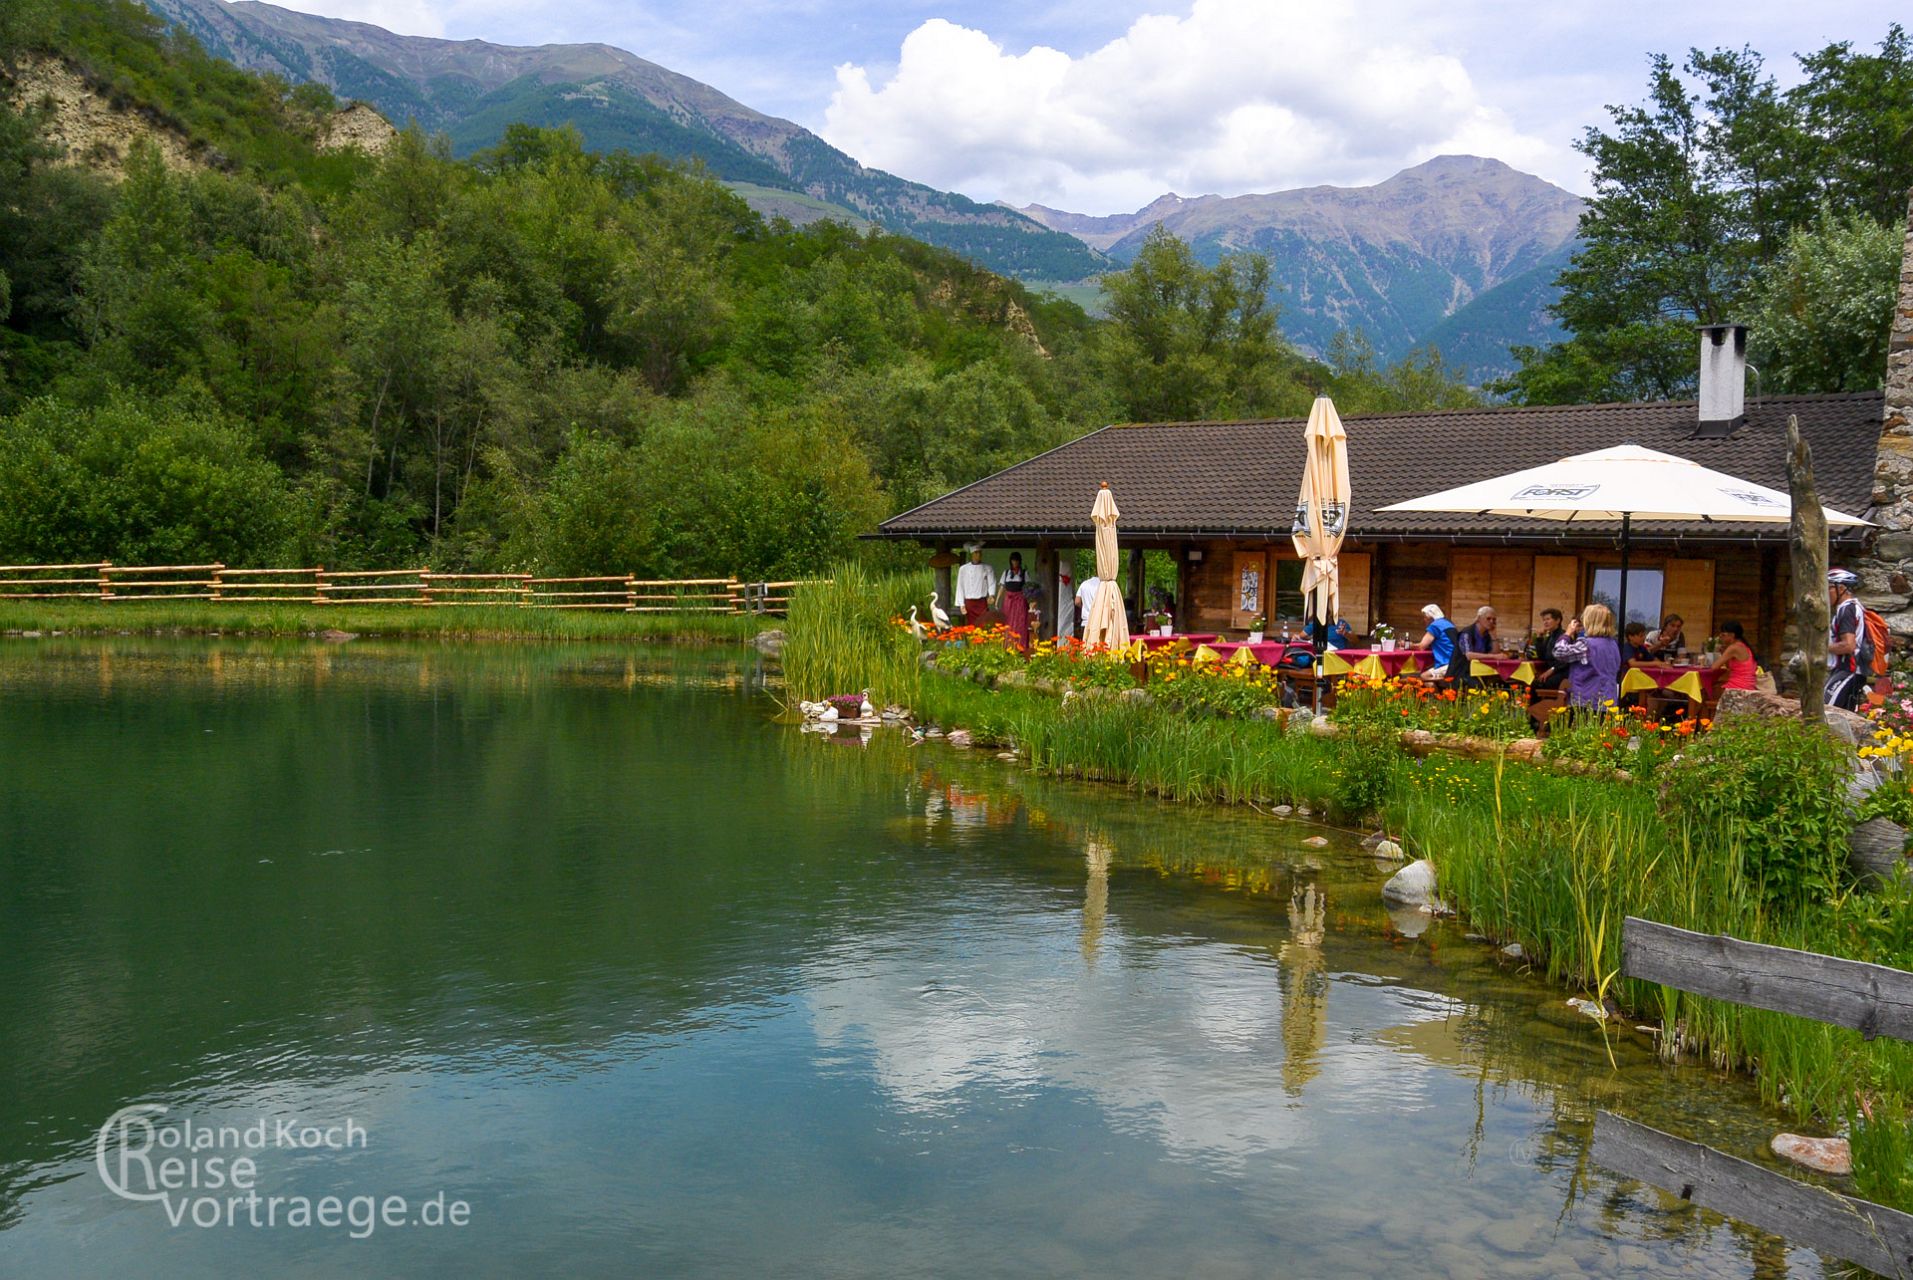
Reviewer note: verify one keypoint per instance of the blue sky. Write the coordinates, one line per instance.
(1100, 107)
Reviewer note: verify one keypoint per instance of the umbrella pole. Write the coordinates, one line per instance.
(1627, 525)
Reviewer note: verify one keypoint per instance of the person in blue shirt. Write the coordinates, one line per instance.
(1439, 639)
(1341, 635)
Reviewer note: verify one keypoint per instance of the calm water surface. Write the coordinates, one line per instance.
(661, 987)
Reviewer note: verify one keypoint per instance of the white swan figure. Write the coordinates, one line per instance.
(916, 628)
(937, 614)
(829, 715)
(866, 711)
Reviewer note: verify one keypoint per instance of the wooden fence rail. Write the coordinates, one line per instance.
(1874, 1236)
(103, 580)
(1869, 998)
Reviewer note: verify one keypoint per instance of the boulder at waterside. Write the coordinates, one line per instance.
(1822, 1155)
(1413, 886)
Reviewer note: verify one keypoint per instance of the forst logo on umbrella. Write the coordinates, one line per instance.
(1755, 499)
(1558, 492)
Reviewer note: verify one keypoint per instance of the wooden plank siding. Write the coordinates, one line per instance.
(1390, 582)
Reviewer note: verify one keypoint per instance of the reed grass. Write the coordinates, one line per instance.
(456, 622)
(843, 636)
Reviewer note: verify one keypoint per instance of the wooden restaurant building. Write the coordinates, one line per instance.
(1219, 499)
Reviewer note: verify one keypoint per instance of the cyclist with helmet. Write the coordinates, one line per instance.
(1846, 641)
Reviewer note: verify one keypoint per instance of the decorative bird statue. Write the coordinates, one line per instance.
(866, 711)
(829, 715)
(937, 615)
(916, 628)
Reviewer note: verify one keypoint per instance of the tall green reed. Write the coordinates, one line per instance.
(842, 637)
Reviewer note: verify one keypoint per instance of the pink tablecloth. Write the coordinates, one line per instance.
(1267, 652)
(1666, 673)
(1190, 638)
(1503, 665)
(1394, 662)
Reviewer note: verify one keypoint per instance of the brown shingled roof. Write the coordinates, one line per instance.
(1239, 479)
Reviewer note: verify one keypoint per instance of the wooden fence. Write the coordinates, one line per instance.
(1870, 998)
(122, 584)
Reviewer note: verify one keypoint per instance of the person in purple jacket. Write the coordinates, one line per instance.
(1593, 659)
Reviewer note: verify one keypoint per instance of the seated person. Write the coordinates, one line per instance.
(1736, 660)
(1477, 637)
(1341, 635)
(1548, 674)
(1667, 643)
(1438, 640)
(1634, 646)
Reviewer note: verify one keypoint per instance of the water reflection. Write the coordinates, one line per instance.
(666, 987)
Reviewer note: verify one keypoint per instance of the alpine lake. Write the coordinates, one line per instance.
(592, 942)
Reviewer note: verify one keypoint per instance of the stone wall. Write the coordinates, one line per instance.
(1887, 573)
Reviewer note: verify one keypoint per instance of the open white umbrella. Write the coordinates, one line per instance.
(1106, 624)
(1321, 512)
(1625, 483)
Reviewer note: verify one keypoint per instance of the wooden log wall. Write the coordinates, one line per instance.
(1390, 582)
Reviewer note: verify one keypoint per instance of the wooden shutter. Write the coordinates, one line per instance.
(1557, 585)
(1687, 588)
(1511, 592)
(1354, 569)
(1470, 584)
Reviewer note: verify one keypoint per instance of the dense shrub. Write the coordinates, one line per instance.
(1775, 787)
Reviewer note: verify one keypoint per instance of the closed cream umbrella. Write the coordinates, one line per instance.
(1321, 513)
(1107, 624)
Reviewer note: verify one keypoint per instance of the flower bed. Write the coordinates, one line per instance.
(1395, 703)
(1619, 738)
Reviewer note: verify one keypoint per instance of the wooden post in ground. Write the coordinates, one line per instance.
(940, 563)
(1807, 541)
(1045, 598)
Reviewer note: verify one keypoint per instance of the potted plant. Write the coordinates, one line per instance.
(1385, 638)
(1256, 624)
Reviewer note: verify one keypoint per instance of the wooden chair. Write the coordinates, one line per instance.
(1542, 708)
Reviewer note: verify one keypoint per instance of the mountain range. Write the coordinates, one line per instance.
(472, 89)
(1459, 251)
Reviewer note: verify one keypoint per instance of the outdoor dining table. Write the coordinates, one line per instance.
(1665, 675)
(1190, 638)
(1508, 668)
(1267, 652)
(1393, 661)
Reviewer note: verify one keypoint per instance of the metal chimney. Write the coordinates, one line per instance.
(1723, 373)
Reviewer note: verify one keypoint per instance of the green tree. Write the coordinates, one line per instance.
(1189, 341)
(1856, 109)
(1698, 192)
(137, 481)
(1821, 314)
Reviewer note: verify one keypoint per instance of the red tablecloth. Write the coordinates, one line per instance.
(1190, 638)
(1394, 661)
(1267, 652)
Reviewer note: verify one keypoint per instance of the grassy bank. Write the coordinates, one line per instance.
(459, 622)
(1744, 837)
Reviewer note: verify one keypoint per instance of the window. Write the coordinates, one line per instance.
(1643, 594)
(1288, 591)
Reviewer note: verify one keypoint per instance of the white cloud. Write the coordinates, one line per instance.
(1234, 96)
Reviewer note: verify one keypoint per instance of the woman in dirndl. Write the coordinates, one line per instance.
(1013, 601)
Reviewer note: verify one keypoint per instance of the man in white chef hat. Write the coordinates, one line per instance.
(975, 584)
